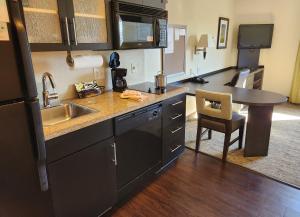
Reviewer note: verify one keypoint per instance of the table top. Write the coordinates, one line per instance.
(249, 96)
(239, 95)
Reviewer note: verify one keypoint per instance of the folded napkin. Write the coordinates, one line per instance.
(133, 94)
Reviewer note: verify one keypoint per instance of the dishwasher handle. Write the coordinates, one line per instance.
(137, 118)
(137, 113)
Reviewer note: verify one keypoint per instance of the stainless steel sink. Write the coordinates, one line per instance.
(62, 113)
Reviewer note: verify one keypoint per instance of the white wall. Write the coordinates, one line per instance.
(65, 76)
(279, 61)
(201, 17)
(3, 11)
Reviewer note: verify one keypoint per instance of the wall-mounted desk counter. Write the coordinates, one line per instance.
(261, 104)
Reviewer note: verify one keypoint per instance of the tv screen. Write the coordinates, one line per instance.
(255, 36)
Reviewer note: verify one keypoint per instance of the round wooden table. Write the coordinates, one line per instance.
(261, 104)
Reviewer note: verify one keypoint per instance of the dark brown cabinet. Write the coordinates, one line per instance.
(68, 25)
(155, 3)
(140, 2)
(83, 184)
(173, 127)
(151, 3)
(82, 172)
(84, 178)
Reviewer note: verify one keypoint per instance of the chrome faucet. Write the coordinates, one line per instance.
(49, 97)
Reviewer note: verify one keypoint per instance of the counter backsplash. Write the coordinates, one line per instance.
(65, 76)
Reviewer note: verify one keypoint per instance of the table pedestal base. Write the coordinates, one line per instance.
(258, 131)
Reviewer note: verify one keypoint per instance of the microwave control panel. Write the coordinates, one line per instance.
(163, 33)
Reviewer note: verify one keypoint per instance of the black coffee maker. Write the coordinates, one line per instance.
(117, 74)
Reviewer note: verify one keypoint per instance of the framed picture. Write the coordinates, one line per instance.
(223, 33)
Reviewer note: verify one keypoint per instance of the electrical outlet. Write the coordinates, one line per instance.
(133, 69)
(98, 74)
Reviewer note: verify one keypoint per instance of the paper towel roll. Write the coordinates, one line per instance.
(92, 61)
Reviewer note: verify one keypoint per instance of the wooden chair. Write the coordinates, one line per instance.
(215, 113)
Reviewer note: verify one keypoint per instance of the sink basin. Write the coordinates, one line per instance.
(62, 113)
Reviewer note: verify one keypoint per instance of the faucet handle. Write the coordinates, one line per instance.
(49, 97)
(53, 96)
(53, 99)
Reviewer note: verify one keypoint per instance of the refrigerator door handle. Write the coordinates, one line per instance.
(40, 146)
(25, 52)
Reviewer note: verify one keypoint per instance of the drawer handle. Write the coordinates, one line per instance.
(178, 116)
(177, 103)
(177, 147)
(178, 129)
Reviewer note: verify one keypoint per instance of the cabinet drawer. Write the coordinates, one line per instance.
(173, 146)
(174, 120)
(174, 133)
(75, 141)
(175, 106)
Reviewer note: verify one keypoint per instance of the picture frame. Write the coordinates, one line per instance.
(223, 29)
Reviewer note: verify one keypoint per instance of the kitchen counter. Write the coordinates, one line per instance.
(218, 79)
(108, 105)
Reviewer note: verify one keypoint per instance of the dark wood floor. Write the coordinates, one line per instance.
(200, 186)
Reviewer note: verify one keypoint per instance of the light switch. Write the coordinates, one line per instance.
(132, 69)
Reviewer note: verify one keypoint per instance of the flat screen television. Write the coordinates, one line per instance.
(255, 36)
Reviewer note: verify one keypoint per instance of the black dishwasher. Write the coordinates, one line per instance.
(139, 146)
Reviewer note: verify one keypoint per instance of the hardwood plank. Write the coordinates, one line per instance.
(291, 213)
(201, 186)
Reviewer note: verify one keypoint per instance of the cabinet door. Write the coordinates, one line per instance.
(20, 192)
(90, 25)
(84, 184)
(134, 1)
(43, 24)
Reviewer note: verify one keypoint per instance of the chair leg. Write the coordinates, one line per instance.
(209, 134)
(241, 136)
(199, 133)
(226, 146)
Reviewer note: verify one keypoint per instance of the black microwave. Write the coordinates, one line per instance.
(137, 26)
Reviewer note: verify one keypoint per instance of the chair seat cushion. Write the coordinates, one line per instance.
(237, 122)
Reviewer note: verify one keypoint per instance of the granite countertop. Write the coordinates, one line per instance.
(108, 105)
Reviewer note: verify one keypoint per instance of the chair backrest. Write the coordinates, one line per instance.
(204, 101)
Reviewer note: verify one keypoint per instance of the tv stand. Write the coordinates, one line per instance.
(248, 58)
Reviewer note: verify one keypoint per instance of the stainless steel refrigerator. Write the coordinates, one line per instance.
(23, 176)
